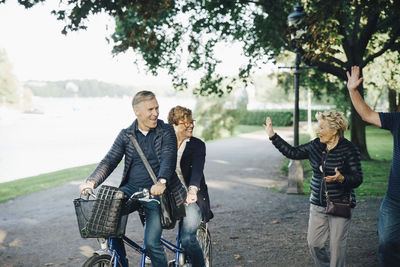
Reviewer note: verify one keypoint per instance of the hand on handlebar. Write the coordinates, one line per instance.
(157, 189)
(86, 188)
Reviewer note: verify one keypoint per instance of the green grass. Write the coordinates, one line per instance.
(241, 129)
(375, 172)
(12, 189)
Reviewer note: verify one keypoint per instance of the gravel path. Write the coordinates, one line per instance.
(253, 225)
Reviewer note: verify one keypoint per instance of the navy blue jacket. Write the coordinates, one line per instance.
(192, 166)
(345, 156)
(165, 145)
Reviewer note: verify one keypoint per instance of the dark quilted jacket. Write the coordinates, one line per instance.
(345, 156)
(165, 147)
(192, 166)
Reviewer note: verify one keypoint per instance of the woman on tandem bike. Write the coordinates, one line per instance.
(189, 167)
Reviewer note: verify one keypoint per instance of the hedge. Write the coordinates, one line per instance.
(278, 117)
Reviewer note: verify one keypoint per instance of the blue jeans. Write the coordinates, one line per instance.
(189, 242)
(153, 230)
(389, 232)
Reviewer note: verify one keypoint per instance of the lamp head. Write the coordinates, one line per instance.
(296, 22)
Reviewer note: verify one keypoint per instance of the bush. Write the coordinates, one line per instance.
(213, 121)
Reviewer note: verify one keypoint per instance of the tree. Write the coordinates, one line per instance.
(181, 34)
(8, 81)
(346, 33)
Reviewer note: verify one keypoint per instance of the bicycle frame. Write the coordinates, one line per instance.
(114, 250)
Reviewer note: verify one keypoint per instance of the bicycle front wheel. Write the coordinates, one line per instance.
(204, 238)
(99, 261)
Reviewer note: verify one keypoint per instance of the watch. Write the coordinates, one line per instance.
(162, 180)
(194, 188)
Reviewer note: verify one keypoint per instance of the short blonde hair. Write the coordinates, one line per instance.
(179, 113)
(336, 120)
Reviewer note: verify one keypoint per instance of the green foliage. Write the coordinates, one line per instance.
(8, 81)
(257, 117)
(389, 78)
(339, 33)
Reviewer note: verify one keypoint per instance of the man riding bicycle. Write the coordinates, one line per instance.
(159, 145)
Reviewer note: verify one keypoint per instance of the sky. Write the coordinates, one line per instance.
(38, 51)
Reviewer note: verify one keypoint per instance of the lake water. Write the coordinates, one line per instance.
(70, 132)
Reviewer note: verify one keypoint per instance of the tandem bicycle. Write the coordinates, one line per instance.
(94, 213)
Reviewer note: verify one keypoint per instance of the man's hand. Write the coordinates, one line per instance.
(158, 189)
(338, 177)
(353, 79)
(85, 187)
(191, 196)
(268, 127)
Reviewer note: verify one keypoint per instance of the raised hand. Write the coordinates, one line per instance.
(353, 79)
(268, 127)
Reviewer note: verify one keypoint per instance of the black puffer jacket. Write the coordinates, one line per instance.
(345, 156)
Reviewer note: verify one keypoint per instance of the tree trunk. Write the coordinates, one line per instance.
(358, 131)
(392, 94)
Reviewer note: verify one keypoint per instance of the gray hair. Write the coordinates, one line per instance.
(141, 97)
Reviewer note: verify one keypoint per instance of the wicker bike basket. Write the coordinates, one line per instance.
(101, 217)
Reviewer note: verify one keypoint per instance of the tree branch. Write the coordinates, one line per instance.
(336, 71)
(342, 31)
(389, 21)
(389, 45)
(356, 24)
(337, 61)
(368, 31)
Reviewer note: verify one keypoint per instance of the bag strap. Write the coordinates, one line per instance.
(324, 156)
(143, 157)
(323, 175)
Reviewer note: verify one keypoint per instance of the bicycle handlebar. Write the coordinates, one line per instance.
(143, 195)
(88, 192)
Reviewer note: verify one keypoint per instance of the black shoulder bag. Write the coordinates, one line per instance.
(167, 219)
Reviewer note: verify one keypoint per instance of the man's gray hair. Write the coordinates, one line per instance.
(141, 97)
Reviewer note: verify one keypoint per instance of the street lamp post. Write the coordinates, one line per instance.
(295, 21)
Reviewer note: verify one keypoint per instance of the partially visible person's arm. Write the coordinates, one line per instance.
(106, 166)
(366, 113)
(168, 161)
